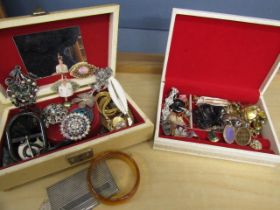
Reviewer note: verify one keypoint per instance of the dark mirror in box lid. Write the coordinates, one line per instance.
(47, 47)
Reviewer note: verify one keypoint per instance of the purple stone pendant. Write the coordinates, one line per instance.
(229, 134)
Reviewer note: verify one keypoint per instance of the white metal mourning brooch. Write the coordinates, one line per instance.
(21, 88)
(54, 114)
(102, 76)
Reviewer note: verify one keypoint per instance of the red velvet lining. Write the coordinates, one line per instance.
(94, 134)
(203, 138)
(96, 44)
(221, 58)
(222, 143)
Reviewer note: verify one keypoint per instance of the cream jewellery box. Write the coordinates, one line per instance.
(97, 44)
(220, 56)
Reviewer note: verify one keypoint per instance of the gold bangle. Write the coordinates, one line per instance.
(113, 155)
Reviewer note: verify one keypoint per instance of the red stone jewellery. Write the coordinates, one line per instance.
(214, 119)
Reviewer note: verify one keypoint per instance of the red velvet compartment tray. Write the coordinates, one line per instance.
(224, 56)
(203, 139)
(54, 130)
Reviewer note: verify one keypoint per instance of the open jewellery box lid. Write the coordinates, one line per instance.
(97, 27)
(221, 55)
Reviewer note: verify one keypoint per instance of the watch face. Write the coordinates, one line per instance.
(118, 123)
(229, 134)
(243, 136)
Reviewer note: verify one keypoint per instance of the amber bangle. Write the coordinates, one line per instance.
(113, 155)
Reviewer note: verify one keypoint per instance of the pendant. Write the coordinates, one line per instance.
(243, 136)
(229, 134)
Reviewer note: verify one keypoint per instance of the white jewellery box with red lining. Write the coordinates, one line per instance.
(60, 102)
(212, 103)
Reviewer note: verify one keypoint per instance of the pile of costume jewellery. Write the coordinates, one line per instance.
(39, 127)
(184, 116)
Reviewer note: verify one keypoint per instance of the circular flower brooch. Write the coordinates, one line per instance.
(75, 126)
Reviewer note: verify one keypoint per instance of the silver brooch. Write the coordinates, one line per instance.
(75, 126)
(21, 89)
(168, 102)
(54, 114)
(102, 76)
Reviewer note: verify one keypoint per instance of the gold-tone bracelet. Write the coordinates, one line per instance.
(112, 119)
(101, 95)
(103, 99)
(113, 155)
(106, 110)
